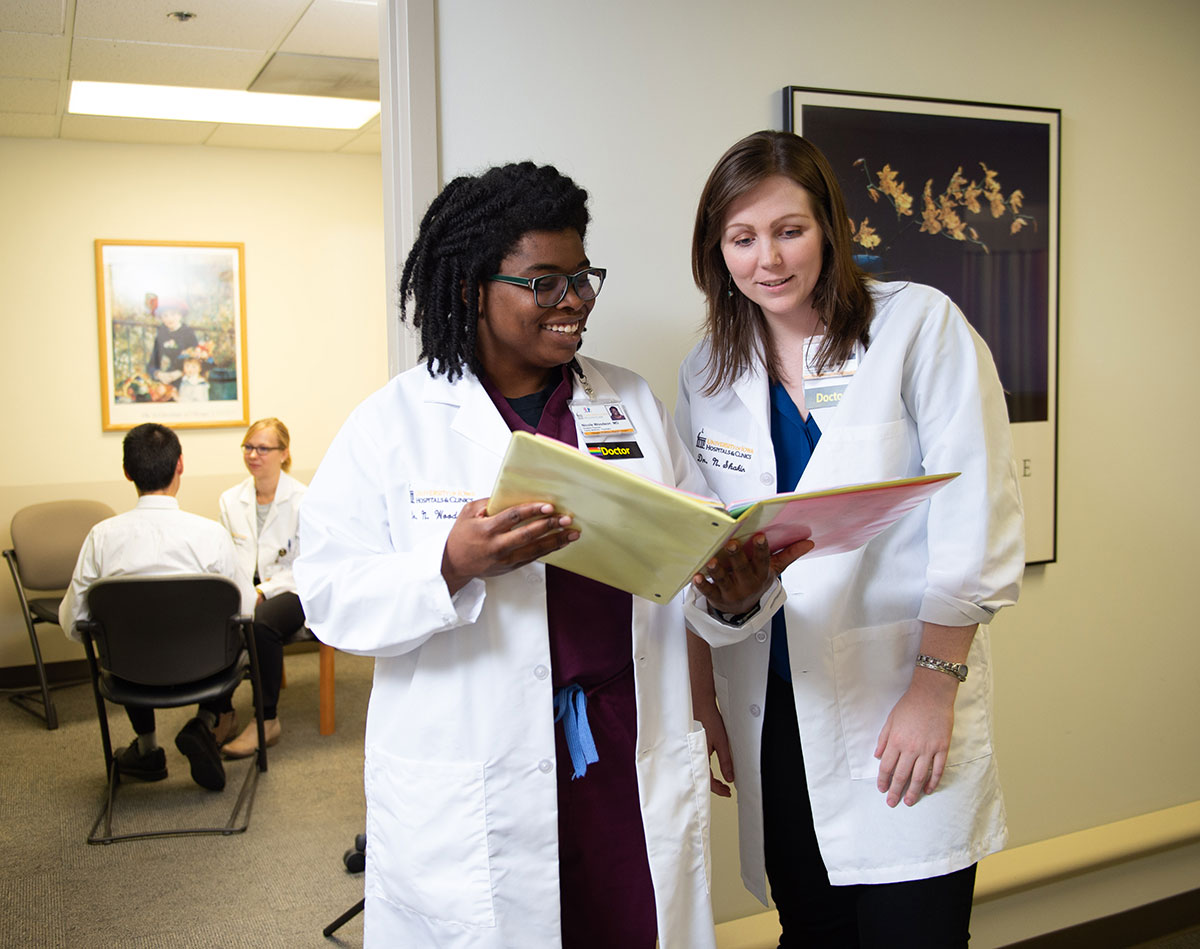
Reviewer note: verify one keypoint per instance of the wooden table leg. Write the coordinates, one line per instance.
(327, 690)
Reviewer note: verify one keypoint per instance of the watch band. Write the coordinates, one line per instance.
(736, 619)
(956, 669)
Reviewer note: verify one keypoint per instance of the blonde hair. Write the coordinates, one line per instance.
(281, 433)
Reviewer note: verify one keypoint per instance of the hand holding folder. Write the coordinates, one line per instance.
(650, 539)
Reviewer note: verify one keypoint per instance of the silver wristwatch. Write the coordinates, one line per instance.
(956, 669)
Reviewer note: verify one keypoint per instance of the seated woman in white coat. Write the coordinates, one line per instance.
(262, 514)
(489, 825)
(859, 699)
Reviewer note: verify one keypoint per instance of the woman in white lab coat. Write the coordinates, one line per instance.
(488, 824)
(863, 759)
(262, 514)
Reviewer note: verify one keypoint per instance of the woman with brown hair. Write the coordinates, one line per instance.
(857, 698)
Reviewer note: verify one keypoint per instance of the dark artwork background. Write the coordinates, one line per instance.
(1003, 292)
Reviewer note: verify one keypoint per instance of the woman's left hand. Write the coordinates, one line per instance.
(915, 739)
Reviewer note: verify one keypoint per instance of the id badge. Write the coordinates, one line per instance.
(598, 419)
(823, 390)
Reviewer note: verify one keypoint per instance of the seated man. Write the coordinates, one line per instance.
(153, 539)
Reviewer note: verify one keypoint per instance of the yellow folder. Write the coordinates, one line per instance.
(650, 539)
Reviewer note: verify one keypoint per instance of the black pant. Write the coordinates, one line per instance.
(142, 718)
(918, 914)
(276, 621)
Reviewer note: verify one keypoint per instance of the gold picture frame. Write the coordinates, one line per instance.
(172, 327)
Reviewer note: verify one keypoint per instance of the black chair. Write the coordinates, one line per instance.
(46, 539)
(163, 642)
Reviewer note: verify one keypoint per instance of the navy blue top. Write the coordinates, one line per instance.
(794, 440)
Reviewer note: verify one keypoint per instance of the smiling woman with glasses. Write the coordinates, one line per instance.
(262, 515)
(487, 813)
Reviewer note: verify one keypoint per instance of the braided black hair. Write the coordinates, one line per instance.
(468, 230)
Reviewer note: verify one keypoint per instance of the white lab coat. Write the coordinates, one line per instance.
(925, 399)
(460, 770)
(272, 552)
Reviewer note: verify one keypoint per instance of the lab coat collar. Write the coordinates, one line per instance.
(477, 418)
(595, 378)
(752, 390)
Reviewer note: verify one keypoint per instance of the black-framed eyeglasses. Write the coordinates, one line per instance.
(551, 289)
(260, 450)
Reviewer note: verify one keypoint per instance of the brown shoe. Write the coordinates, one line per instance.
(226, 727)
(246, 743)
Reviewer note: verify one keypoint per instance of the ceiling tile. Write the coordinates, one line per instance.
(32, 55)
(101, 128)
(163, 65)
(367, 142)
(302, 75)
(37, 96)
(348, 28)
(228, 24)
(33, 16)
(290, 139)
(28, 126)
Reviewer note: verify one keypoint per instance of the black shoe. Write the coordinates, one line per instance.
(198, 745)
(151, 766)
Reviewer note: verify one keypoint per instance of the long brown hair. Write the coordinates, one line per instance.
(734, 325)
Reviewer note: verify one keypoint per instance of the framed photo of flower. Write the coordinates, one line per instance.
(172, 319)
(962, 196)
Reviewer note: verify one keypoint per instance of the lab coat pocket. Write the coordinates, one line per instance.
(698, 755)
(427, 827)
(872, 669)
(856, 454)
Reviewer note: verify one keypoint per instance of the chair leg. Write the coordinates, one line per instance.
(327, 690)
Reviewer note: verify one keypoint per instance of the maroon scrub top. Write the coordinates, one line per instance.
(605, 890)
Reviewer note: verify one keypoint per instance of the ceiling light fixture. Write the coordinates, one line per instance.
(181, 15)
(187, 104)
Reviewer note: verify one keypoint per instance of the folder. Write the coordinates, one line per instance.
(650, 539)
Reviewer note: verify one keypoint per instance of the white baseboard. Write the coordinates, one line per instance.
(1056, 883)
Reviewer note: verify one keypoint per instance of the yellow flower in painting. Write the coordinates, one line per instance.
(990, 184)
(955, 188)
(944, 213)
(864, 235)
(955, 226)
(901, 199)
(970, 198)
(930, 224)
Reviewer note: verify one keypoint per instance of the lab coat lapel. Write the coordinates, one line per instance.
(248, 510)
(477, 419)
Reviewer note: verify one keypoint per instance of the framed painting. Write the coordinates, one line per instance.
(172, 318)
(962, 196)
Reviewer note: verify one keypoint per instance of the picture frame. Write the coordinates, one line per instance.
(963, 196)
(172, 327)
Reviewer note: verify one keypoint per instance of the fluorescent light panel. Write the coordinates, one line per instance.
(185, 104)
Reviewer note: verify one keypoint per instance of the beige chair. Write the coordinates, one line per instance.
(46, 539)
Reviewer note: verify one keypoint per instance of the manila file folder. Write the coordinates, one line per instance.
(650, 539)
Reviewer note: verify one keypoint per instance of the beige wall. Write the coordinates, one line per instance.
(312, 226)
(1096, 669)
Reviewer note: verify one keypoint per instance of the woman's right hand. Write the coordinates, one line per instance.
(480, 545)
